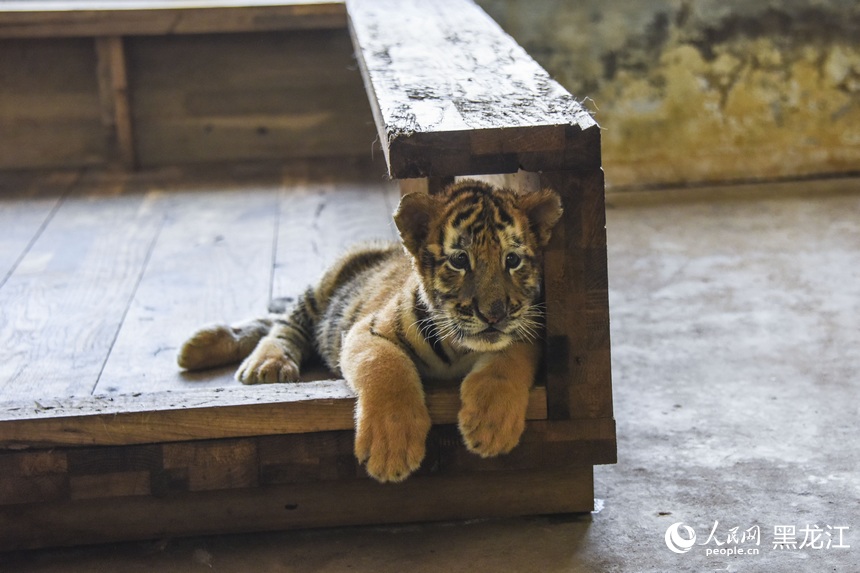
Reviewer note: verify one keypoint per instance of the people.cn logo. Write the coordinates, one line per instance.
(676, 542)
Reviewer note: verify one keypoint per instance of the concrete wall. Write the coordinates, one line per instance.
(705, 90)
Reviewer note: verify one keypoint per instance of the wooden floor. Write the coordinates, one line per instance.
(103, 275)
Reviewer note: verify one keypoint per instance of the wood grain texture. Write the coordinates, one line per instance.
(50, 115)
(452, 94)
(577, 301)
(27, 203)
(171, 416)
(52, 18)
(243, 97)
(116, 107)
(62, 306)
(237, 463)
(212, 263)
(289, 506)
(171, 470)
(320, 220)
(431, 185)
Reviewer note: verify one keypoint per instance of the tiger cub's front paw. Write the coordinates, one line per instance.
(492, 416)
(391, 441)
(267, 364)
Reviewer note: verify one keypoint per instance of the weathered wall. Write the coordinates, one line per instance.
(705, 90)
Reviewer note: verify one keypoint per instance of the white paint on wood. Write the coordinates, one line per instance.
(447, 66)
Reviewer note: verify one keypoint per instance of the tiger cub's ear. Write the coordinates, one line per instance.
(543, 209)
(413, 218)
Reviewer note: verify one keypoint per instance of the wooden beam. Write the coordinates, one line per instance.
(204, 414)
(53, 18)
(114, 90)
(431, 185)
(522, 181)
(49, 105)
(129, 486)
(303, 505)
(462, 103)
(42, 476)
(577, 301)
(267, 96)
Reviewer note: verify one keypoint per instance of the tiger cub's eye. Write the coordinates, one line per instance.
(512, 261)
(459, 261)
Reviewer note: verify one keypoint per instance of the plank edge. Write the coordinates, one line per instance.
(206, 414)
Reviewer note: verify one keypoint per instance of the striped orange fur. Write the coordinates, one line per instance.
(461, 301)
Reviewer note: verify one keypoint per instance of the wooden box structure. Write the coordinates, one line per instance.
(451, 96)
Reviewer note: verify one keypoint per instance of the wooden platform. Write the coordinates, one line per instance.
(103, 274)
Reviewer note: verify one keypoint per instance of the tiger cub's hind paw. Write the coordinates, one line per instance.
(267, 364)
(209, 347)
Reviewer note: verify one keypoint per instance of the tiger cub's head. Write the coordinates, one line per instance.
(477, 251)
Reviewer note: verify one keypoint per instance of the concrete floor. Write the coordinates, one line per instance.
(736, 352)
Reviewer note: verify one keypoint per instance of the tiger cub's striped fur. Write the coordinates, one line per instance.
(460, 302)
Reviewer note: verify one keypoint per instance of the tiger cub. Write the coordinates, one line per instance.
(460, 302)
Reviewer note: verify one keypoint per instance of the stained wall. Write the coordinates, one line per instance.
(694, 91)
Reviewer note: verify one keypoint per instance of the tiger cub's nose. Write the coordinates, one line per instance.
(496, 313)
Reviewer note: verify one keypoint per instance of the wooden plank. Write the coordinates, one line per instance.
(452, 94)
(54, 18)
(50, 115)
(121, 484)
(62, 306)
(33, 477)
(577, 301)
(204, 414)
(314, 504)
(218, 465)
(545, 444)
(113, 86)
(104, 76)
(212, 263)
(328, 456)
(27, 203)
(521, 181)
(431, 185)
(319, 221)
(243, 97)
(260, 461)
